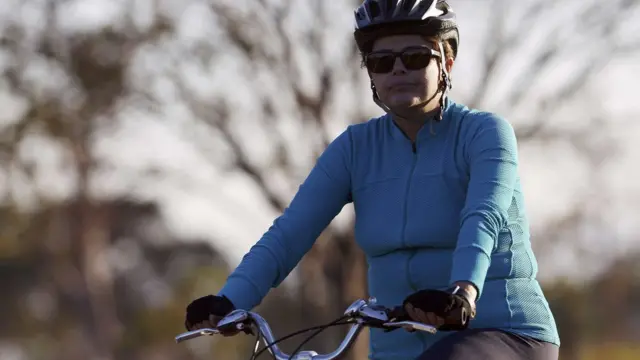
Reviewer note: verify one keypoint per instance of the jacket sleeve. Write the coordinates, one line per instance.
(318, 200)
(493, 163)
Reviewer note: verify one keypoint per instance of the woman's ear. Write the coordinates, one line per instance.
(449, 65)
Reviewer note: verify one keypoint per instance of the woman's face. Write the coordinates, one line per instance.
(404, 86)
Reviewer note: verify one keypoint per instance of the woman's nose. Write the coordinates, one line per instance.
(398, 67)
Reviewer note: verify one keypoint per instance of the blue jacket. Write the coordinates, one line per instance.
(449, 208)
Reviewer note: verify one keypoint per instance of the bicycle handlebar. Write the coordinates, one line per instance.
(361, 313)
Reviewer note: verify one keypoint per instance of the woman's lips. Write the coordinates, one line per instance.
(402, 86)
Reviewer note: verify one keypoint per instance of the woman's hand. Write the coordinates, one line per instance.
(428, 318)
(207, 311)
(444, 310)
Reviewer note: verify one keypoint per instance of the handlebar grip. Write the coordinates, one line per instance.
(457, 320)
(459, 316)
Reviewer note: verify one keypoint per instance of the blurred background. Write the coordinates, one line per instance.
(145, 145)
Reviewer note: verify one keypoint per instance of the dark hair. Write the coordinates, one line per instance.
(448, 50)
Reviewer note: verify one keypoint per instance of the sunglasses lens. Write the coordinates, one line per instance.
(380, 63)
(415, 59)
(412, 59)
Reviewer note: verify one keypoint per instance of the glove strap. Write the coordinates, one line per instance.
(457, 290)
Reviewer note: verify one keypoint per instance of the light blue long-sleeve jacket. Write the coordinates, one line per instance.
(447, 208)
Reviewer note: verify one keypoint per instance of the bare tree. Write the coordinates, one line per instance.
(539, 61)
(83, 79)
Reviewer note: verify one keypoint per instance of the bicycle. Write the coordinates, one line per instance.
(361, 314)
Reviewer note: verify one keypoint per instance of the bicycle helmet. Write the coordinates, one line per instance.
(432, 18)
(377, 18)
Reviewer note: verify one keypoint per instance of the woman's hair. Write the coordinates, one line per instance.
(446, 45)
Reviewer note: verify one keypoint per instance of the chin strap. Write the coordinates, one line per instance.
(376, 99)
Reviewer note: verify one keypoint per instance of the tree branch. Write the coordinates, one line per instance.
(217, 117)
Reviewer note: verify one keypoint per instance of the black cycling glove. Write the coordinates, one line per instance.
(200, 309)
(454, 305)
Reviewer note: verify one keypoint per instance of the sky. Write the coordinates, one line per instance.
(201, 201)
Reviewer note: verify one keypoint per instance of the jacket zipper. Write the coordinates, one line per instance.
(406, 195)
(406, 209)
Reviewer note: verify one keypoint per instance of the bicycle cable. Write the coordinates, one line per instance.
(259, 337)
(333, 323)
(319, 328)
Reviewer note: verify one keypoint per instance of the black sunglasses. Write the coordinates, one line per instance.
(413, 58)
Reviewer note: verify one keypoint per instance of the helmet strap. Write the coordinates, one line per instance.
(445, 84)
(378, 101)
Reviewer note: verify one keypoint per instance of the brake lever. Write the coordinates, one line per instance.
(412, 325)
(395, 314)
(237, 320)
(196, 333)
(398, 313)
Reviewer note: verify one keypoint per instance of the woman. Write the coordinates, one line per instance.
(439, 206)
